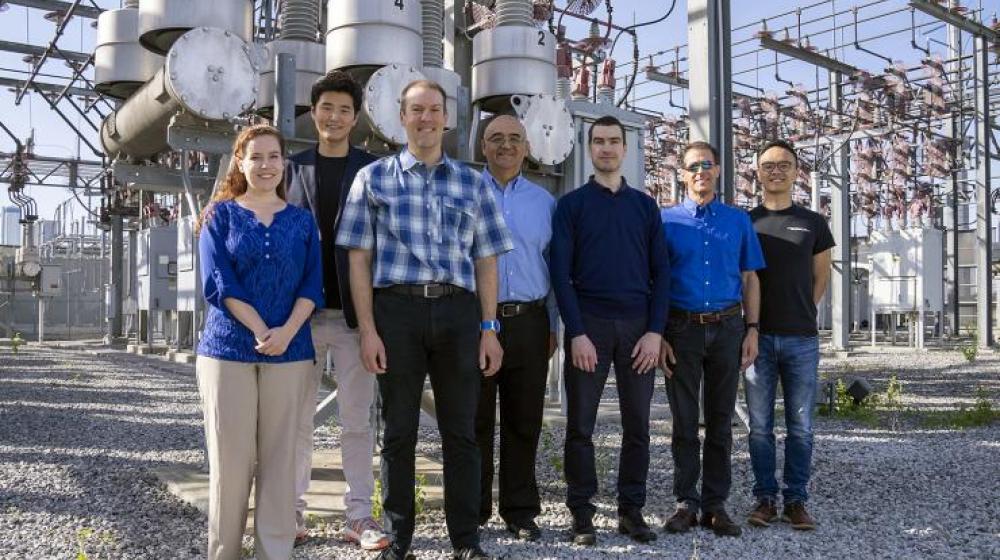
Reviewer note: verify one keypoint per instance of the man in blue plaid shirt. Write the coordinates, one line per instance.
(423, 233)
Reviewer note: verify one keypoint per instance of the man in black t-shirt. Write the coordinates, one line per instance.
(796, 244)
(319, 179)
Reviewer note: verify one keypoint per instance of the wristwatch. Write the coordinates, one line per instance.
(491, 325)
(753, 326)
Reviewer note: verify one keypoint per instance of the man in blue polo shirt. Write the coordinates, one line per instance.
(611, 276)
(711, 334)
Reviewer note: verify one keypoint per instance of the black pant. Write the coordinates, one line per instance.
(439, 336)
(712, 351)
(614, 340)
(521, 384)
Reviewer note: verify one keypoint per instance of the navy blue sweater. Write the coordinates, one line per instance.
(608, 257)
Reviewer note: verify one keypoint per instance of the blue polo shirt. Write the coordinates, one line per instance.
(710, 247)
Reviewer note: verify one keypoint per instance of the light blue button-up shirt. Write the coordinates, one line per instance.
(524, 272)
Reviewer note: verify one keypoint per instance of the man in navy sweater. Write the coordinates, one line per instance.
(610, 273)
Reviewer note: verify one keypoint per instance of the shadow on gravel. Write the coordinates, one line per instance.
(14, 392)
(25, 361)
(83, 429)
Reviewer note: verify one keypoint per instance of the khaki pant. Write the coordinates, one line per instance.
(355, 393)
(251, 417)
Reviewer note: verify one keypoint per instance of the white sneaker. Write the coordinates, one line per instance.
(366, 533)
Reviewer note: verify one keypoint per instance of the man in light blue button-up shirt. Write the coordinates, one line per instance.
(528, 322)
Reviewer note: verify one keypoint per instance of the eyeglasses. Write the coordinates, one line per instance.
(782, 166)
(700, 165)
(501, 140)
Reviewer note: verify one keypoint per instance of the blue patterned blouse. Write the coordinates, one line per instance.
(266, 267)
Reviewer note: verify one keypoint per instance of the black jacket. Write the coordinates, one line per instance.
(300, 172)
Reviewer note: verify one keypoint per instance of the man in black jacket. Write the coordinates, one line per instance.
(319, 179)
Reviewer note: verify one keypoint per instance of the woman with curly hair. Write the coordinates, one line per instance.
(262, 279)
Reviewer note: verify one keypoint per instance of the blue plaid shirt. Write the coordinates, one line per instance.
(424, 224)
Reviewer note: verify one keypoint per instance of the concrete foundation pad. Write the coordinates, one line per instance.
(180, 357)
(145, 350)
(326, 491)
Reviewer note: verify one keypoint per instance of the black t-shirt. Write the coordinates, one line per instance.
(329, 176)
(790, 238)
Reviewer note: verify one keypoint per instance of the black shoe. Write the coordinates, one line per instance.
(473, 553)
(390, 554)
(526, 530)
(681, 521)
(632, 524)
(583, 530)
(720, 523)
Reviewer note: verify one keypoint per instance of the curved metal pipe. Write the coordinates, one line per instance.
(209, 75)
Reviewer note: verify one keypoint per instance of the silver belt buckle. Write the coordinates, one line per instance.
(427, 293)
(505, 306)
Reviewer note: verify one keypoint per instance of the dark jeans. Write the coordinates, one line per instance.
(792, 361)
(521, 385)
(440, 337)
(614, 340)
(711, 351)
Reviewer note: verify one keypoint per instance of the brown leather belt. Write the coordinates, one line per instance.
(515, 308)
(427, 291)
(705, 318)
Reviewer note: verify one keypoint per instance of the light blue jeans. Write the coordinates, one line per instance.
(792, 360)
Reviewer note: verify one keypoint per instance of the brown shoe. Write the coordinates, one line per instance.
(796, 514)
(763, 514)
(720, 523)
(681, 521)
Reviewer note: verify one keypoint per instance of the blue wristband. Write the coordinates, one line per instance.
(491, 325)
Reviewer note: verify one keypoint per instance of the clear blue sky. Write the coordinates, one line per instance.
(53, 137)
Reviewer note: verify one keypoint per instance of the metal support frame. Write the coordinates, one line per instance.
(115, 307)
(90, 12)
(709, 75)
(284, 94)
(34, 50)
(67, 16)
(984, 208)
(808, 56)
(46, 87)
(840, 213)
(954, 128)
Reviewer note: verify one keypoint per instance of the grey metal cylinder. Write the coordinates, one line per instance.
(450, 81)
(381, 107)
(299, 20)
(161, 22)
(121, 65)
(512, 59)
(309, 67)
(549, 126)
(209, 74)
(432, 18)
(373, 33)
(515, 12)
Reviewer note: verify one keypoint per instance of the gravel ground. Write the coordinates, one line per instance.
(79, 434)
